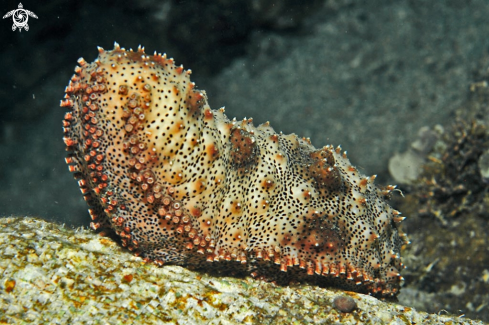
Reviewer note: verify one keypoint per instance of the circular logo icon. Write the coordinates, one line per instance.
(20, 17)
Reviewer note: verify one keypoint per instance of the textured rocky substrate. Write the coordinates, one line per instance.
(56, 275)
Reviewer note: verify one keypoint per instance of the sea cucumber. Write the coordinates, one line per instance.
(180, 183)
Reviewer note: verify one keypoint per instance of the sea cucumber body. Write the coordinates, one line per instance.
(179, 183)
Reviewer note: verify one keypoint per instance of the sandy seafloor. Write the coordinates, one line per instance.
(366, 75)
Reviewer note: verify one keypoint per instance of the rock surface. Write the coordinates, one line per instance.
(448, 212)
(56, 275)
(363, 74)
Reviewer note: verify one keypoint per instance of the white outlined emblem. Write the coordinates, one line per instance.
(20, 17)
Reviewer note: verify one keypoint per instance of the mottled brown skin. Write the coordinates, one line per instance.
(179, 183)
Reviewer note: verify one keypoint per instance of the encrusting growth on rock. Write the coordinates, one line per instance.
(179, 183)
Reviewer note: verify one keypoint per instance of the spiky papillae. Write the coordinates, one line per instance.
(182, 184)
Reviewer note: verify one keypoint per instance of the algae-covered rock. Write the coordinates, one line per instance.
(55, 275)
(447, 209)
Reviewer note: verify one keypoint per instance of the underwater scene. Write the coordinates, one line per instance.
(244, 162)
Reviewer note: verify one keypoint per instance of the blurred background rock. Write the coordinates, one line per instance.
(367, 75)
